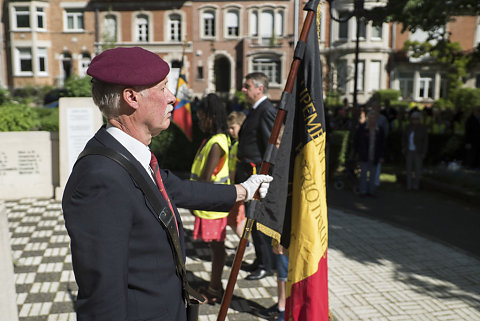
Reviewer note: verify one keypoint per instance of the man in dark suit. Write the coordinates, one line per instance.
(122, 258)
(253, 140)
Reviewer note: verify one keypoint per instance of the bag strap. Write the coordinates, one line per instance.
(163, 214)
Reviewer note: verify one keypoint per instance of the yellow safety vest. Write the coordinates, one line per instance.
(220, 174)
(232, 157)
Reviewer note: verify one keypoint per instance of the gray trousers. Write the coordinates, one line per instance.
(414, 169)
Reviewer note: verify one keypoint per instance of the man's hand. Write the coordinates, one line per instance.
(253, 183)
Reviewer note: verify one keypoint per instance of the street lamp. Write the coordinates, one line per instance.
(358, 12)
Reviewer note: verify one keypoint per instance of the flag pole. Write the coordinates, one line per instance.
(282, 111)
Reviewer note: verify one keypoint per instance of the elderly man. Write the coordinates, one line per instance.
(123, 261)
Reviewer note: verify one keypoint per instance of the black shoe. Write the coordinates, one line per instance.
(258, 274)
(249, 267)
(270, 313)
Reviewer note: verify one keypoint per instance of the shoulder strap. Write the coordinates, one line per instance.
(163, 214)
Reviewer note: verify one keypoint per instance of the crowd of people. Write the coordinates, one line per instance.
(378, 132)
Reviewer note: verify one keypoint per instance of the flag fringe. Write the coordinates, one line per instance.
(269, 232)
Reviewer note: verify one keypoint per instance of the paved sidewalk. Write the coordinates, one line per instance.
(376, 271)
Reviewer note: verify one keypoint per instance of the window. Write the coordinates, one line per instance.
(477, 41)
(84, 63)
(208, 23)
(360, 75)
(199, 72)
(343, 26)
(74, 20)
(266, 27)
(141, 24)
(40, 18)
(363, 29)
(42, 61)
(175, 27)
(342, 75)
(232, 23)
(425, 86)
(406, 84)
(109, 28)
(22, 17)
(270, 66)
(254, 23)
(374, 75)
(279, 23)
(24, 61)
(377, 32)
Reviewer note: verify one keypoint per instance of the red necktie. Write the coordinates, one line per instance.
(161, 187)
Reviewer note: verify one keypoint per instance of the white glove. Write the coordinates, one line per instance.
(252, 184)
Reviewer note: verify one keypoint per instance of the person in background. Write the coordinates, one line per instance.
(383, 123)
(472, 138)
(414, 148)
(211, 165)
(236, 217)
(122, 258)
(369, 144)
(253, 140)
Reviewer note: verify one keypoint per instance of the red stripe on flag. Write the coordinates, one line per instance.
(308, 300)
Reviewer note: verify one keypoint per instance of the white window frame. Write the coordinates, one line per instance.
(175, 27)
(360, 76)
(429, 85)
(477, 31)
(16, 13)
(269, 65)
(345, 24)
(142, 32)
(83, 63)
(106, 32)
(363, 23)
(212, 31)
(374, 84)
(404, 79)
(342, 75)
(381, 32)
(76, 14)
(230, 24)
(40, 14)
(42, 52)
(253, 23)
(25, 55)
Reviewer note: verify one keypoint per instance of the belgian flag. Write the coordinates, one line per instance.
(182, 115)
(296, 203)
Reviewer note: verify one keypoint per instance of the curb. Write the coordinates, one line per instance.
(8, 304)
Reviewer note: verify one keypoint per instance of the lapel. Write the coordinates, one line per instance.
(105, 139)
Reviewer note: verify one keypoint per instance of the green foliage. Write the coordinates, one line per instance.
(449, 54)
(47, 118)
(5, 96)
(30, 95)
(399, 104)
(77, 86)
(338, 150)
(466, 98)
(386, 94)
(442, 104)
(424, 14)
(239, 97)
(173, 150)
(332, 99)
(17, 117)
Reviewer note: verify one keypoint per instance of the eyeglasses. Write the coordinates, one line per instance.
(246, 86)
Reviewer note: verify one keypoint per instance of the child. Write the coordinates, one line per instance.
(211, 165)
(236, 217)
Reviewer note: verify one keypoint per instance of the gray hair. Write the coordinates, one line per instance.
(259, 79)
(108, 97)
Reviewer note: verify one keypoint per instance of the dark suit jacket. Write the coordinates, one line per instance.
(122, 259)
(254, 136)
(420, 139)
(362, 143)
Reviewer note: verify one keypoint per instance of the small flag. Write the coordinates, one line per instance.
(182, 115)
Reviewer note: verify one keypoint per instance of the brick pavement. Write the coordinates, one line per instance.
(376, 271)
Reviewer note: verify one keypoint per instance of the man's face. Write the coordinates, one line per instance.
(251, 92)
(157, 105)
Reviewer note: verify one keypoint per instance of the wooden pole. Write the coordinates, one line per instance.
(227, 297)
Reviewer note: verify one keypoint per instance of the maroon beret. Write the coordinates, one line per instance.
(128, 66)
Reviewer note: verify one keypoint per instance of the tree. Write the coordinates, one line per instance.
(423, 14)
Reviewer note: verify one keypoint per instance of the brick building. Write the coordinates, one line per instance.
(44, 42)
(218, 41)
